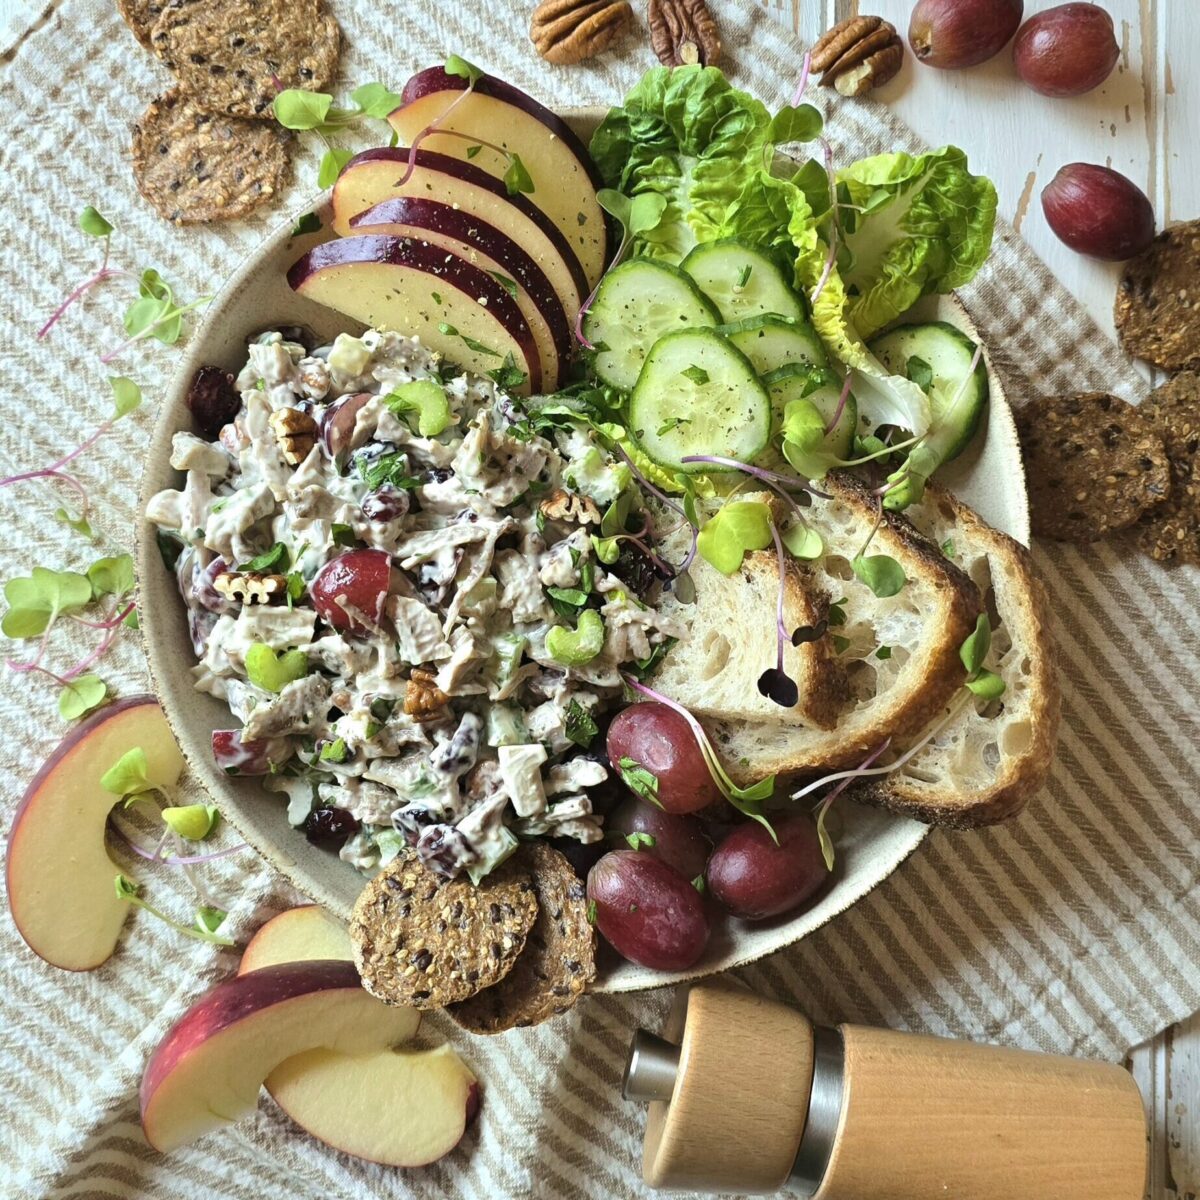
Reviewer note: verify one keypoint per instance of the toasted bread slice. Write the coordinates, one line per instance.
(731, 640)
(920, 630)
(984, 765)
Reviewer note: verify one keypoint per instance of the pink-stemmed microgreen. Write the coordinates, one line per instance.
(802, 85)
(177, 860)
(775, 683)
(126, 397)
(154, 313)
(665, 500)
(208, 919)
(822, 809)
(747, 800)
(635, 216)
(834, 224)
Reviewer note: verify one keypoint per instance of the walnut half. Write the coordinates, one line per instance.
(422, 697)
(296, 433)
(568, 31)
(570, 507)
(251, 587)
(683, 33)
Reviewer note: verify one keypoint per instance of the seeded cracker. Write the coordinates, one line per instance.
(140, 16)
(425, 941)
(1157, 311)
(1171, 532)
(558, 961)
(233, 56)
(1094, 464)
(195, 166)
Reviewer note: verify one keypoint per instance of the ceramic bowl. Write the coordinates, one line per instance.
(870, 843)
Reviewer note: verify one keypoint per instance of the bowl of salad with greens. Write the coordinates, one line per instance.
(646, 515)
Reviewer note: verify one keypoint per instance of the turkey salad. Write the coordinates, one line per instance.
(404, 585)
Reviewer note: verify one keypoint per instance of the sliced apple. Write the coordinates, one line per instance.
(485, 247)
(565, 180)
(384, 174)
(207, 1071)
(296, 935)
(401, 1108)
(423, 291)
(59, 875)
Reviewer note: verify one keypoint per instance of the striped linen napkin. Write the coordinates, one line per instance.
(1075, 928)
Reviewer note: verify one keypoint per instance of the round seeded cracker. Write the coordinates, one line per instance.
(558, 961)
(195, 166)
(1094, 464)
(234, 56)
(140, 16)
(1157, 310)
(426, 941)
(1171, 532)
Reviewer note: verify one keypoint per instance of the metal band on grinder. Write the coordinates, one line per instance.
(824, 1111)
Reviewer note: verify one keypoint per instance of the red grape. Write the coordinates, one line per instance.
(648, 912)
(212, 400)
(337, 428)
(657, 739)
(1099, 212)
(358, 579)
(678, 840)
(754, 878)
(1066, 51)
(962, 33)
(255, 757)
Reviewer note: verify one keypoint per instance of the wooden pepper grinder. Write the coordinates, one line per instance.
(747, 1095)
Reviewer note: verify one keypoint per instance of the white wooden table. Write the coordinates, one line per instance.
(1145, 122)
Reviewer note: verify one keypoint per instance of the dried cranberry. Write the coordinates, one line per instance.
(329, 827)
(443, 849)
(213, 400)
(634, 568)
(387, 504)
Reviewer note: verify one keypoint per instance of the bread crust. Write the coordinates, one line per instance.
(1021, 775)
(936, 663)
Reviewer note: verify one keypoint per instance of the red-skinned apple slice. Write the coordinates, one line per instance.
(375, 175)
(59, 875)
(422, 291)
(400, 1108)
(483, 246)
(565, 180)
(207, 1070)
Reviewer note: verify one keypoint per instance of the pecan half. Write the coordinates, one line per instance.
(568, 31)
(422, 697)
(683, 32)
(296, 433)
(858, 54)
(567, 506)
(251, 587)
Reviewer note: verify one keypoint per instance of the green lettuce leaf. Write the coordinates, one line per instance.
(687, 135)
(912, 226)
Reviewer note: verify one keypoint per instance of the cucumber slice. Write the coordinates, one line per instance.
(947, 351)
(742, 281)
(635, 305)
(772, 342)
(697, 394)
(824, 389)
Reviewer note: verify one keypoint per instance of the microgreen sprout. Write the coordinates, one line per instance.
(775, 683)
(834, 228)
(973, 652)
(747, 800)
(637, 215)
(826, 803)
(841, 405)
(154, 313)
(663, 498)
(204, 929)
(805, 68)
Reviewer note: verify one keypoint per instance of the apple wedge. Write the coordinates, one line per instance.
(422, 291)
(296, 935)
(565, 180)
(397, 1107)
(386, 174)
(485, 247)
(401, 1108)
(59, 875)
(207, 1070)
